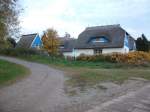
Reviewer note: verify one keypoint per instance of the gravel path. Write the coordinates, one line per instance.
(42, 91)
(137, 101)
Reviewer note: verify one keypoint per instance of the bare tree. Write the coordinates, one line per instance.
(9, 24)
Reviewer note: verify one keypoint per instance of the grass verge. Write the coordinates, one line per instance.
(89, 77)
(11, 72)
(62, 63)
(84, 73)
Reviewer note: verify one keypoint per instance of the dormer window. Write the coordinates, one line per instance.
(101, 39)
(62, 47)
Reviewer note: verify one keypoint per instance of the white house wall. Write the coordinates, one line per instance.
(116, 50)
(66, 54)
(126, 49)
(78, 52)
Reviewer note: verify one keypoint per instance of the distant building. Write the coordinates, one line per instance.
(30, 41)
(67, 45)
(100, 40)
(92, 41)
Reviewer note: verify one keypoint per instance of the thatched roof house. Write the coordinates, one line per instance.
(103, 39)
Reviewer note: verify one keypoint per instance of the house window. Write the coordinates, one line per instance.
(61, 46)
(101, 39)
(97, 51)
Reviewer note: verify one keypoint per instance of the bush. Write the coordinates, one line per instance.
(20, 52)
(136, 58)
(91, 58)
(69, 58)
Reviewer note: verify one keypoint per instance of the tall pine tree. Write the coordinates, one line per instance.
(142, 44)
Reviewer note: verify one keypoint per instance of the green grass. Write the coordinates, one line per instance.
(83, 73)
(89, 77)
(62, 63)
(10, 72)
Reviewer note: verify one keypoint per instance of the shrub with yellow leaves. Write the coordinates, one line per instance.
(138, 57)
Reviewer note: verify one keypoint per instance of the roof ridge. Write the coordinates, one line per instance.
(30, 34)
(104, 26)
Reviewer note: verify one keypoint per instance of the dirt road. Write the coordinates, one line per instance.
(42, 91)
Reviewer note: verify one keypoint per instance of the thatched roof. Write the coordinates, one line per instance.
(114, 34)
(67, 44)
(26, 41)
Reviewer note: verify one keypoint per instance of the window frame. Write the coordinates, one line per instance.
(100, 39)
(98, 51)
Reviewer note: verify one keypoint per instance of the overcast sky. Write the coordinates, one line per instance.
(73, 16)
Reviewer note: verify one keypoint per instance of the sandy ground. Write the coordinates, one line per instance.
(138, 101)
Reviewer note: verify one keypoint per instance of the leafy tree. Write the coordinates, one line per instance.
(12, 43)
(139, 44)
(149, 45)
(142, 44)
(50, 41)
(146, 43)
(8, 20)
